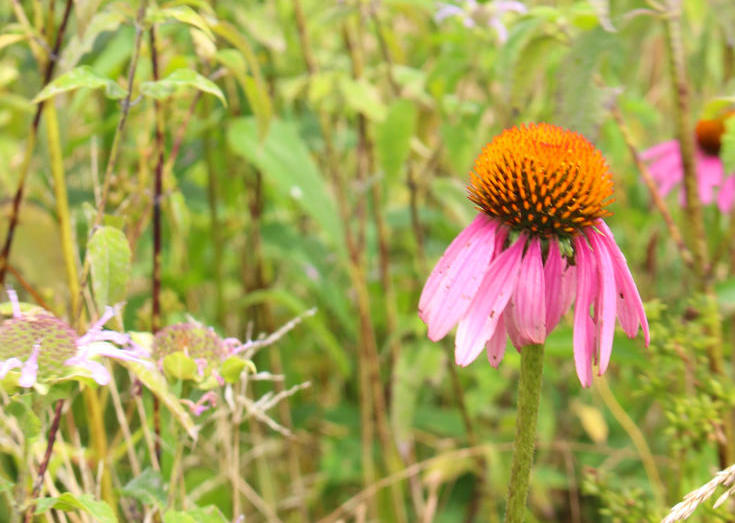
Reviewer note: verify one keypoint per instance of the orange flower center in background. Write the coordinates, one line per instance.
(542, 179)
(709, 135)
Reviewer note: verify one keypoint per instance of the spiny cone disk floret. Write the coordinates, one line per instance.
(196, 341)
(543, 180)
(57, 340)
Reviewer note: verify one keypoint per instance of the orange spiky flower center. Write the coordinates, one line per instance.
(542, 179)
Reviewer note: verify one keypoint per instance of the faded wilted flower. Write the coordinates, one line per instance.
(538, 245)
(474, 13)
(46, 349)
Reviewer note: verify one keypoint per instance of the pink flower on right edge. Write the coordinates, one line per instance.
(538, 245)
(665, 165)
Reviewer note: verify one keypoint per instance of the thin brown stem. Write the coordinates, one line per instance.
(30, 144)
(157, 191)
(658, 201)
(46, 458)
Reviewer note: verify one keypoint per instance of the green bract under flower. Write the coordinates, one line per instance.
(191, 351)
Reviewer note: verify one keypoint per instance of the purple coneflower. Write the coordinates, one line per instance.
(665, 165)
(46, 349)
(538, 245)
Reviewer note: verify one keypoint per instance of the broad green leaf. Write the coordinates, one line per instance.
(157, 384)
(728, 146)
(148, 488)
(286, 162)
(581, 98)
(257, 94)
(82, 42)
(5, 485)
(362, 97)
(99, 510)
(179, 366)
(28, 421)
(82, 76)
(165, 87)
(183, 14)
(109, 257)
(11, 38)
(393, 137)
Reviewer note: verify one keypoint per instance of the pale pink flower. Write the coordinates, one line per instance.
(46, 349)
(538, 245)
(473, 13)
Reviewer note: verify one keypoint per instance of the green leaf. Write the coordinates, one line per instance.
(581, 108)
(232, 368)
(109, 257)
(534, 59)
(209, 514)
(28, 421)
(727, 154)
(362, 97)
(82, 76)
(179, 366)
(157, 384)
(183, 14)
(393, 137)
(5, 485)
(165, 87)
(257, 93)
(287, 163)
(148, 488)
(99, 510)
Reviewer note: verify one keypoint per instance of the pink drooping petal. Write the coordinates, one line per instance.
(568, 288)
(495, 346)
(726, 196)
(583, 337)
(552, 286)
(9, 364)
(456, 278)
(667, 148)
(629, 305)
(29, 371)
(529, 302)
(606, 304)
(709, 175)
(495, 291)
(107, 350)
(115, 337)
(96, 369)
(511, 328)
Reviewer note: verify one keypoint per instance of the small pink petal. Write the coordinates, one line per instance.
(529, 302)
(14, 303)
(709, 175)
(9, 364)
(629, 305)
(29, 371)
(552, 286)
(460, 279)
(96, 369)
(495, 291)
(606, 305)
(583, 337)
(495, 346)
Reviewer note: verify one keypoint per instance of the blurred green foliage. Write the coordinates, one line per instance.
(315, 155)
